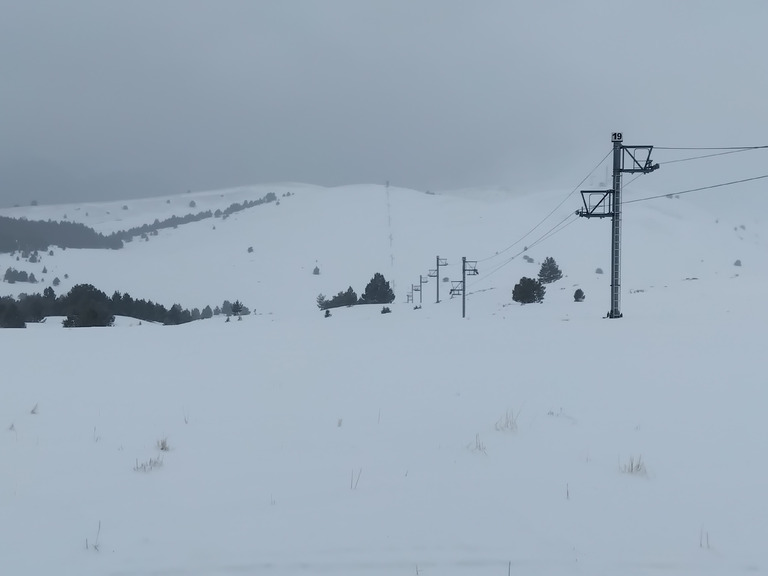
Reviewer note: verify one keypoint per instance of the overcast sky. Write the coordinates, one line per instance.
(117, 99)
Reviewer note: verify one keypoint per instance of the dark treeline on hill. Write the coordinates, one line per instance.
(84, 305)
(22, 234)
(172, 222)
(235, 207)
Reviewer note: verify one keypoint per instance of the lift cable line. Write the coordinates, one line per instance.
(560, 226)
(556, 229)
(697, 189)
(678, 160)
(555, 209)
(539, 240)
(624, 186)
(709, 147)
(707, 156)
(571, 218)
(564, 223)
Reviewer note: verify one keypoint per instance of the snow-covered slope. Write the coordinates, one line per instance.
(409, 443)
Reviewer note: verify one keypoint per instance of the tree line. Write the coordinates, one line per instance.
(85, 305)
(173, 221)
(377, 291)
(21, 234)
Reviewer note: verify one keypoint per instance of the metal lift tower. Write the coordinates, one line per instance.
(605, 203)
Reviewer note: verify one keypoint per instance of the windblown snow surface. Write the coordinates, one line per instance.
(410, 443)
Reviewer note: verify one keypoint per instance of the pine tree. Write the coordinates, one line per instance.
(579, 296)
(85, 305)
(528, 291)
(174, 316)
(549, 271)
(377, 291)
(10, 316)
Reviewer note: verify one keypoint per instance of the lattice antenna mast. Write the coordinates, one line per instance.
(607, 203)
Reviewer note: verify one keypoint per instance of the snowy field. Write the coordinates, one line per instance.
(538, 440)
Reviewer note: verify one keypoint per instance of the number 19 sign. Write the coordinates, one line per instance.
(617, 137)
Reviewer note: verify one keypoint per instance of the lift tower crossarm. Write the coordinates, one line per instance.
(597, 204)
(637, 162)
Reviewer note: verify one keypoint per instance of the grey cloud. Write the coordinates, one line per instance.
(107, 99)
